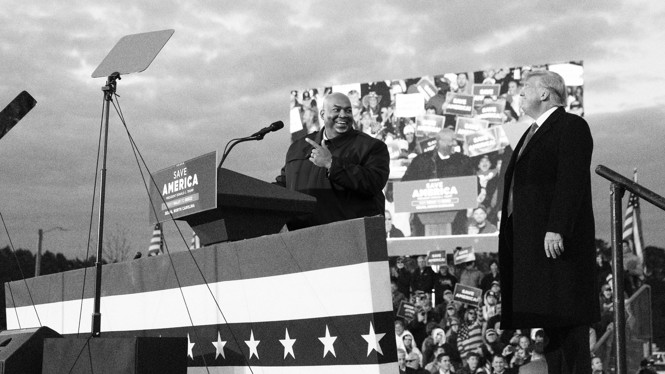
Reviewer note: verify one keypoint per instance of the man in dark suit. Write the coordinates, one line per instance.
(546, 242)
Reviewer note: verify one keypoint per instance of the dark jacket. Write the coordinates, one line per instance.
(551, 193)
(352, 188)
(424, 166)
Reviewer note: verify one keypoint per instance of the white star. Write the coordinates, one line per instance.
(328, 342)
(373, 340)
(252, 344)
(288, 345)
(219, 346)
(190, 347)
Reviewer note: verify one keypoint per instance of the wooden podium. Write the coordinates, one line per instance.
(247, 208)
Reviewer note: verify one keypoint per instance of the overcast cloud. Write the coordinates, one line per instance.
(228, 69)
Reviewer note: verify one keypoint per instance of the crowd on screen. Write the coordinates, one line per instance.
(374, 111)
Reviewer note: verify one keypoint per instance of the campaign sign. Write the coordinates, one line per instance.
(467, 295)
(183, 189)
(409, 105)
(435, 195)
(464, 255)
(428, 144)
(492, 112)
(480, 91)
(428, 125)
(437, 257)
(482, 142)
(406, 310)
(426, 87)
(468, 125)
(461, 105)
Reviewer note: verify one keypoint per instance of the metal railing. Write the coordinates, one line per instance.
(617, 189)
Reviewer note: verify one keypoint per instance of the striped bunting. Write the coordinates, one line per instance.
(315, 300)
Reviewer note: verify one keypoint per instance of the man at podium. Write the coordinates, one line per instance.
(344, 169)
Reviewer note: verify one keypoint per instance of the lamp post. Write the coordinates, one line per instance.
(38, 258)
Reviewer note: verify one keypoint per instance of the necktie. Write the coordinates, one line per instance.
(532, 130)
(529, 135)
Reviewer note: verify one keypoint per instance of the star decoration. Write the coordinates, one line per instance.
(373, 340)
(219, 346)
(328, 342)
(252, 344)
(190, 347)
(288, 345)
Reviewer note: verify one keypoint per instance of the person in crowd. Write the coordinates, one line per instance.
(492, 276)
(606, 308)
(399, 333)
(491, 306)
(413, 147)
(513, 99)
(356, 105)
(547, 204)
(500, 366)
(451, 338)
(480, 221)
(445, 364)
(603, 267)
(522, 353)
(391, 230)
(491, 345)
(433, 365)
(437, 101)
(597, 365)
(424, 315)
(410, 347)
(422, 278)
(470, 275)
(413, 363)
(470, 337)
(442, 162)
(344, 169)
(443, 280)
(463, 86)
(436, 339)
(371, 105)
(472, 365)
(646, 366)
(397, 296)
(488, 182)
(401, 360)
(402, 277)
(537, 364)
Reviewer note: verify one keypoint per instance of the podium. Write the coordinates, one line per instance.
(247, 208)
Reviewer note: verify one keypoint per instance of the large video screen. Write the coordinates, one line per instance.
(450, 137)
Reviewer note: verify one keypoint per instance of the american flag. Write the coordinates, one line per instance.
(632, 224)
(157, 241)
(195, 242)
(315, 300)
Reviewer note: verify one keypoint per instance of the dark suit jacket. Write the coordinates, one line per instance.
(551, 193)
(534, 367)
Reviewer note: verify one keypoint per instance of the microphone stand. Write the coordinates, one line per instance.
(233, 143)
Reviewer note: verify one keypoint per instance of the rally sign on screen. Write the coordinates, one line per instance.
(434, 195)
(183, 189)
(466, 125)
(461, 105)
(484, 141)
(437, 257)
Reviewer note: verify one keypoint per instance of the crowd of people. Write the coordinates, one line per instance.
(446, 335)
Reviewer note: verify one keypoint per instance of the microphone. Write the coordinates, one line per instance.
(273, 127)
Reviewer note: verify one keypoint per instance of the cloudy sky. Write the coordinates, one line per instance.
(228, 69)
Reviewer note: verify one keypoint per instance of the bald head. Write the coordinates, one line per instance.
(337, 114)
(446, 141)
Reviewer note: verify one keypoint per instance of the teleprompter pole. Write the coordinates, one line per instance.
(109, 90)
